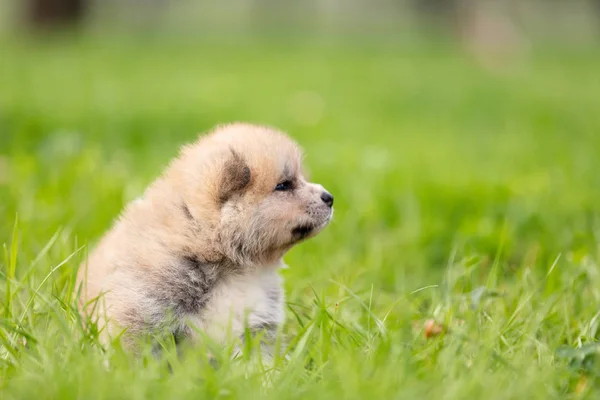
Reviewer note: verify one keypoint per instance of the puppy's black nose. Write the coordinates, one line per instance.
(327, 198)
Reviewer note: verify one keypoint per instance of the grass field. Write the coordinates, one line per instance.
(462, 195)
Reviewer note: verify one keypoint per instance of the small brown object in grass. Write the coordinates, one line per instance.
(432, 328)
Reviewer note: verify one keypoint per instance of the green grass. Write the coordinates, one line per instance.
(464, 196)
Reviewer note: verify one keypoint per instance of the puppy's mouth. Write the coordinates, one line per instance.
(307, 230)
(302, 231)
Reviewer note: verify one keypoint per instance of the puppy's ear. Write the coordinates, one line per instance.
(236, 176)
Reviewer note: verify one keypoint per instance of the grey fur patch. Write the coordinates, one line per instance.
(187, 290)
(269, 327)
(183, 288)
(274, 294)
(186, 211)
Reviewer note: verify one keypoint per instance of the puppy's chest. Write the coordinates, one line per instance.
(254, 299)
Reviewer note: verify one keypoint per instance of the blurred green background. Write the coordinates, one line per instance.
(461, 140)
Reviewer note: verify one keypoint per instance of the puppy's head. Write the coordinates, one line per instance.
(256, 189)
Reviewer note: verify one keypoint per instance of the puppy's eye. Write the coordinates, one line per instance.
(284, 186)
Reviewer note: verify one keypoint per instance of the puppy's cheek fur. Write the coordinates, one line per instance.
(284, 218)
(257, 231)
(245, 235)
(233, 233)
(283, 213)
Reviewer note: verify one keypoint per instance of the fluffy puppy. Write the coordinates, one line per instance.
(201, 249)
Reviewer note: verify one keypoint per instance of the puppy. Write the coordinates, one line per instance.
(201, 249)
